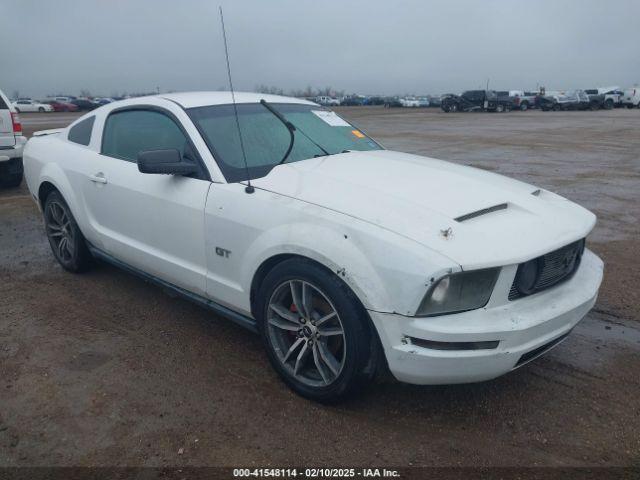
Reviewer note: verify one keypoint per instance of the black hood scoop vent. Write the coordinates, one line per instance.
(479, 213)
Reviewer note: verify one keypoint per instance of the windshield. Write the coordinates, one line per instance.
(266, 139)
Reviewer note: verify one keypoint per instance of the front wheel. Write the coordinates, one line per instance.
(41, 109)
(317, 336)
(67, 242)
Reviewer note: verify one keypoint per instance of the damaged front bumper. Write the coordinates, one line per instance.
(483, 344)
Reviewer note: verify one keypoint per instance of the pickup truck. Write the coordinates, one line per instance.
(521, 100)
(609, 97)
(476, 101)
(11, 144)
(631, 97)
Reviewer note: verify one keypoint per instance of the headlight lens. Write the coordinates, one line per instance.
(459, 292)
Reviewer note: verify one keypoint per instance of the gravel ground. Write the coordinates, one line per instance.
(102, 369)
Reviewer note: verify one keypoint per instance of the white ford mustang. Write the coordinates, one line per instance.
(341, 254)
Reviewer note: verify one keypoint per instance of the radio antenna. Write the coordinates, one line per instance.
(249, 188)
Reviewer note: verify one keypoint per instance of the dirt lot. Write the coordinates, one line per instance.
(104, 369)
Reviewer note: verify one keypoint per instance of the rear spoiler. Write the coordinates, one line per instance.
(43, 133)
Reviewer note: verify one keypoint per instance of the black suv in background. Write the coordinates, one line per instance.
(476, 101)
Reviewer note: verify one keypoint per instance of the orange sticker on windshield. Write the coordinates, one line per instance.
(357, 133)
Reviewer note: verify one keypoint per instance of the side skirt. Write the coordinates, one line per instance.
(242, 320)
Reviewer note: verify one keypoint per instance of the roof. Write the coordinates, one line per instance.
(201, 99)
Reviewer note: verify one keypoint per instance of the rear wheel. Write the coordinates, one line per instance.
(11, 181)
(608, 104)
(66, 240)
(11, 173)
(317, 336)
(524, 106)
(41, 109)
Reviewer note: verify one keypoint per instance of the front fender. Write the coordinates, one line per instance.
(388, 273)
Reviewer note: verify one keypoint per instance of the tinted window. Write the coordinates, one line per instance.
(3, 106)
(130, 132)
(266, 139)
(81, 132)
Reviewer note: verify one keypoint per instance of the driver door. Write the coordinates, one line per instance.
(152, 222)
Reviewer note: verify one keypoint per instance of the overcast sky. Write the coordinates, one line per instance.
(368, 46)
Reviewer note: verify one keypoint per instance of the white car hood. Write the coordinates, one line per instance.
(420, 198)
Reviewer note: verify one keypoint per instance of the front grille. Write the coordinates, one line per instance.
(555, 267)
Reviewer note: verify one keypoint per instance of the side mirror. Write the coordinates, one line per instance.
(164, 162)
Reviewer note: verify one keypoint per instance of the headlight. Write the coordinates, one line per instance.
(459, 292)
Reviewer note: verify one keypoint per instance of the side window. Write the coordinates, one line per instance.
(129, 132)
(81, 132)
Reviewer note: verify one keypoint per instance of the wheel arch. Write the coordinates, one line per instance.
(270, 263)
(377, 359)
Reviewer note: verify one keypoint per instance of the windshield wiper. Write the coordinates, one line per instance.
(291, 127)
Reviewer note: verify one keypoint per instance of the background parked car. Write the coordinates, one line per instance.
(83, 104)
(61, 106)
(102, 101)
(521, 100)
(476, 101)
(327, 101)
(631, 97)
(572, 100)
(353, 101)
(611, 96)
(392, 102)
(28, 105)
(411, 102)
(62, 99)
(11, 144)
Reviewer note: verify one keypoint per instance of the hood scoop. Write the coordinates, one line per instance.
(479, 213)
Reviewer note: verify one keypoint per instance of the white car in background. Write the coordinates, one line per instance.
(344, 256)
(328, 101)
(11, 144)
(631, 97)
(411, 102)
(28, 105)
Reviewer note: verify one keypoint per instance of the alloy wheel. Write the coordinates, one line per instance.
(306, 333)
(60, 231)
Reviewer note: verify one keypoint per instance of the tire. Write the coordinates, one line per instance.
(40, 109)
(557, 108)
(11, 181)
(524, 106)
(323, 363)
(608, 104)
(11, 173)
(499, 108)
(65, 238)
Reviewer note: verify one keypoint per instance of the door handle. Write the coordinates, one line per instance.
(98, 178)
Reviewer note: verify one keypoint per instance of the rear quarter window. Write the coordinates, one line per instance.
(80, 133)
(3, 105)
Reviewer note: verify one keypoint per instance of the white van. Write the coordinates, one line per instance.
(11, 144)
(631, 97)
